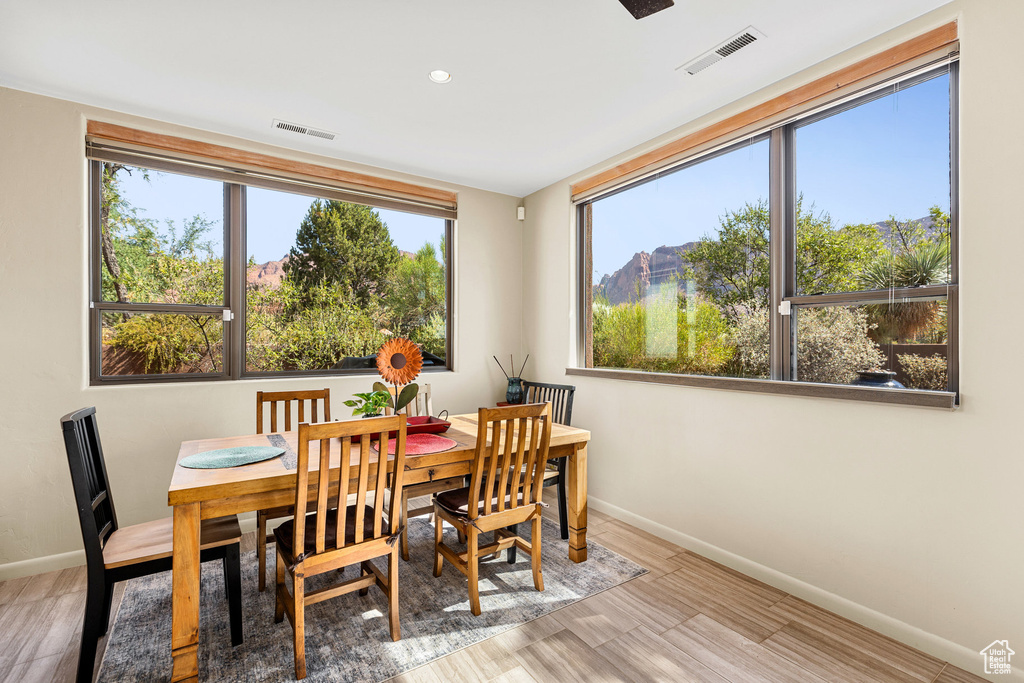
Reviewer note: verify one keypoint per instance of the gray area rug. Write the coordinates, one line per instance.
(347, 638)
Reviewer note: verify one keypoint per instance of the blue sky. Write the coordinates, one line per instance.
(272, 217)
(887, 157)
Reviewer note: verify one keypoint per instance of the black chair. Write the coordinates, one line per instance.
(116, 553)
(560, 397)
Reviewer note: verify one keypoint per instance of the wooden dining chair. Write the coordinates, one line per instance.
(560, 396)
(422, 405)
(333, 538)
(115, 553)
(506, 479)
(270, 401)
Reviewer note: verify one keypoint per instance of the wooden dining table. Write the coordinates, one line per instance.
(197, 494)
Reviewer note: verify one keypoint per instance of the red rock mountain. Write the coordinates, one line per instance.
(643, 268)
(267, 274)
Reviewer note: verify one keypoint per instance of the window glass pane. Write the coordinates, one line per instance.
(161, 343)
(834, 343)
(873, 188)
(680, 270)
(162, 237)
(329, 281)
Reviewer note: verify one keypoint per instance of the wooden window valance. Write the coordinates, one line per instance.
(110, 142)
(912, 54)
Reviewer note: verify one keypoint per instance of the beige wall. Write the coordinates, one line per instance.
(43, 274)
(906, 519)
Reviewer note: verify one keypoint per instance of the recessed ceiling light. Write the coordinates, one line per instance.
(439, 76)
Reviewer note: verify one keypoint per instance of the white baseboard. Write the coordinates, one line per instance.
(954, 653)
(41, 565)
(76, 558)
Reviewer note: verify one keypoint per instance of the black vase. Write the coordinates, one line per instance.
(886, 379)
(514, 394)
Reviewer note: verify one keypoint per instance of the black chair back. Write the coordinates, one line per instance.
(560, 396)
(89, 477)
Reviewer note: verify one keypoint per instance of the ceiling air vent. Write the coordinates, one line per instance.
(734, 44)
(303, 130)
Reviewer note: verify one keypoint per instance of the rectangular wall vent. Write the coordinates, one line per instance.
(729, 47)
(303, 130)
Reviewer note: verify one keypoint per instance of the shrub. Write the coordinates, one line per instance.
(171, 343)
(289, 328)
(833, 344)
(924, 372)
(662, 336)
(432, 335)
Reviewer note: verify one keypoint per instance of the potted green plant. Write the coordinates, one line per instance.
(369, 404)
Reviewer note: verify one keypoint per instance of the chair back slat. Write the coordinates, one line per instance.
(559, 395)
(96, 513)
(517, 466)
(361, 487)
(345, 457)
(510, 464)
(506, 464)
(492, 466)
(531, 456)
(379, 487)
(273, 400)
(322, 494)
(367, 479)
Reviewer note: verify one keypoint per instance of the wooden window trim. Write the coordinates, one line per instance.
(109, 132)
(942, 38)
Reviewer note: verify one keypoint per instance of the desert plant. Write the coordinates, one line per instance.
(924, 372)
(921, 263)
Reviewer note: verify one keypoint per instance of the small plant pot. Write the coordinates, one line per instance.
(885, 379)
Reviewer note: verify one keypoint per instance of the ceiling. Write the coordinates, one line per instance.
(541, 89)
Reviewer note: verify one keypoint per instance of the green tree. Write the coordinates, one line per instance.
(732, 267)
(418, 291)
(172, 269)
(345, 244)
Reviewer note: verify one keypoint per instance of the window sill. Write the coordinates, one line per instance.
(911, 397)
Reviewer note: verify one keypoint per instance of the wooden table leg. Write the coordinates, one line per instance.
(185, 594)
(576, 492)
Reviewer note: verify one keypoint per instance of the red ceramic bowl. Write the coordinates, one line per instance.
(424, 424)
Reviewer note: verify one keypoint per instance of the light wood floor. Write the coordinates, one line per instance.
(690, 619)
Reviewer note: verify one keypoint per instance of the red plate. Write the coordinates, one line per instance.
(424, 424)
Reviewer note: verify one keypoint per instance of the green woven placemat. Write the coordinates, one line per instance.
(230, 457)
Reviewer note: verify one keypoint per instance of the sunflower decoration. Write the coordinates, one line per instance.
(399, 361)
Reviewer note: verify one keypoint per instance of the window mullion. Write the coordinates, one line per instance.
(95, 272)
(953, 301)
(777, 327)
(234, 279)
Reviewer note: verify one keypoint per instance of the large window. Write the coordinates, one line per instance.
(823, 251)
(198, 278)
(679, 261)
(329, 281)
